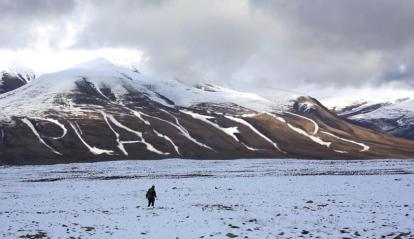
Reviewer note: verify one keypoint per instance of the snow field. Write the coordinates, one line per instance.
(210, 199)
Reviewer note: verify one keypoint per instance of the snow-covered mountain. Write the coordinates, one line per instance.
(395, 117)
(55, 91)
(100, 111)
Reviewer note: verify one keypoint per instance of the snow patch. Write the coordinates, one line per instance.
(364, 146)
(117, 135)
(183, 130)
(94, 150)
(244, 122)
(79, 128)
(341, 151)
(141, 139)
(312, 137)
(316, 126)
(276, 117)
(31, 126)
(231, 131)
(169, 140)
(138, 114)
(62, 126)
(306, 106)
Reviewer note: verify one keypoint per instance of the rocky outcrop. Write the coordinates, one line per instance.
(9, 81)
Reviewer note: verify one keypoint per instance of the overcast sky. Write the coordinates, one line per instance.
(307, 46)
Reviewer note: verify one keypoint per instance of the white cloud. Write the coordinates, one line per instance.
(304, 46)
(47, 60)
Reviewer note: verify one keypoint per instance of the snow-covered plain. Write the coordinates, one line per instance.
(210, 199)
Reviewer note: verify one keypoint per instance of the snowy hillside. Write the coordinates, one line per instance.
(49, 92)
(389, 110)
(394, 116)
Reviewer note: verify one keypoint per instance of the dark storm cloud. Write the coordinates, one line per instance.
(275, 42)
(380, 24)
(261, 43)
(357, 42)
(190, 40)
(21, 20)
(32, 9)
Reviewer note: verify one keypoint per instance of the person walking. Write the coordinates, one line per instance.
(151, 195)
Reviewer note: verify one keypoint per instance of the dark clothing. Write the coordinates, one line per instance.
(151, 195)
(151, 202)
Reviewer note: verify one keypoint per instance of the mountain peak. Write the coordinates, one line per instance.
(96, 63)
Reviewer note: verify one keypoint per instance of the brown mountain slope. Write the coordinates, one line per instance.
(100, 114)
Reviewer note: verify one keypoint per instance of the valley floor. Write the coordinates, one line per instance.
(209, 199)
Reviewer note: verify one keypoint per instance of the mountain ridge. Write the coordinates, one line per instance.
(394, 117)
(98, 111)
